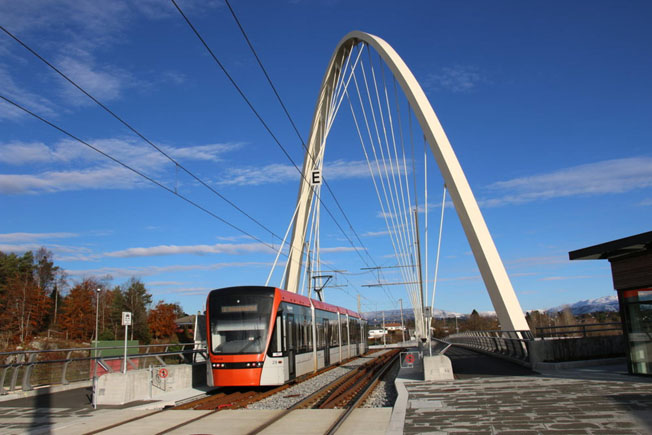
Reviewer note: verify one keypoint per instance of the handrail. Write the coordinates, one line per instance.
(27, 360)
(79, 349)
(580, 328)
(513, 344)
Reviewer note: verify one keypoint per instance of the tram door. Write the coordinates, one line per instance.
(291, 345)
(327, 340)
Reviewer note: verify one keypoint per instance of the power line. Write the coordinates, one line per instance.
(262, 121)
(296, 130)
(136, 171)
(141, 174)
(134, 130)
(126, 124)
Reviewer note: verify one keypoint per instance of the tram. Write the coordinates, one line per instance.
(268, 336)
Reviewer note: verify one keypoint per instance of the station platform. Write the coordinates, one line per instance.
(488, 395)
(491, 395)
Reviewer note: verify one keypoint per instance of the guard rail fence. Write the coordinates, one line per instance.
(62, 366)
(513, 344)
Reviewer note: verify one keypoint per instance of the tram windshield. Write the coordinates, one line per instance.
(239, 319)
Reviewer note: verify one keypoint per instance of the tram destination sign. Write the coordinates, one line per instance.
(239, 308)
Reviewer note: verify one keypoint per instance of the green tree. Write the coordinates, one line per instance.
(136, 300)
(12, 265)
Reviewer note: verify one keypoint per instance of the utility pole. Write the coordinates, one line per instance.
(402, 325)
(384, 332)
(416, 223)
(359, 307)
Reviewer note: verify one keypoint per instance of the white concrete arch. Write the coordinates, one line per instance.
(484, 250)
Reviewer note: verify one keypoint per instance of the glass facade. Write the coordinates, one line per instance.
(636, 310)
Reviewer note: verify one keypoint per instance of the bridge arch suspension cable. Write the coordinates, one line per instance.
(375, 127)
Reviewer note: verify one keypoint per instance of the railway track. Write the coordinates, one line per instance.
(347, 393)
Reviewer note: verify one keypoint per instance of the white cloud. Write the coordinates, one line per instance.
(25, 237)
(104, 83)
(48, 182)
(646, 202)
(189, 291)
(563, 278)
(340, 249)
(155, 270)
(56, 249)
(165, 283)
(281, 173)
(274, 173)
(375, 233)
(19, 94)
(69, 33)
(194, 249)
(210, 152)
(99, 172)
(537, 261)
(455, 79)
(606, 177)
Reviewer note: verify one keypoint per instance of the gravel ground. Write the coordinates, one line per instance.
(385, 393)
(292, 395)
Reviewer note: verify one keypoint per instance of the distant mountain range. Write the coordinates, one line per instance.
(605, 303)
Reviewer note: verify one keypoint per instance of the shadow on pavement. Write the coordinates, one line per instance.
(470, 364)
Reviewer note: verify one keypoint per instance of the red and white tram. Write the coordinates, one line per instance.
(269, 336)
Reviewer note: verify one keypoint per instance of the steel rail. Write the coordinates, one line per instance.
(321, 396)
(362, 395)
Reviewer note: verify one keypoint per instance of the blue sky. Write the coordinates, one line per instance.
(548, 107)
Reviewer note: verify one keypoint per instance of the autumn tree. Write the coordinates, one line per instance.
(161, 320)
(24, 305)
(24, 308)
(78, 313)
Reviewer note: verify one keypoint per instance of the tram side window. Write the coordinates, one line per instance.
(308, 325)
(290, 332)
(321, 333)
(351, 331)
(276, 344)
(354, 327)
(334, 329)
(304, 326)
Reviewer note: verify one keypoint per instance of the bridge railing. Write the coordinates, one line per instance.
(513, 344)
(62, 366)
(580, 330)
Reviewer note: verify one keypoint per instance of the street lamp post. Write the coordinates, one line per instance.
(97, 311)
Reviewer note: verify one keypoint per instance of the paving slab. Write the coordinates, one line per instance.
(529, 403)
(235, 422)
(155, 423)
(98, 420)
(304, 421)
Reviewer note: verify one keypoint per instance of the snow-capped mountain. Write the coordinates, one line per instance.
(408, 314)
(605, 303)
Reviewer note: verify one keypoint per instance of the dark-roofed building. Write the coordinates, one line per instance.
(631, 269)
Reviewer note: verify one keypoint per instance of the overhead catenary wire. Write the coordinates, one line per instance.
(260, 118)
(390, 171)
(138, 133)
(140, 174)
(177, 164)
